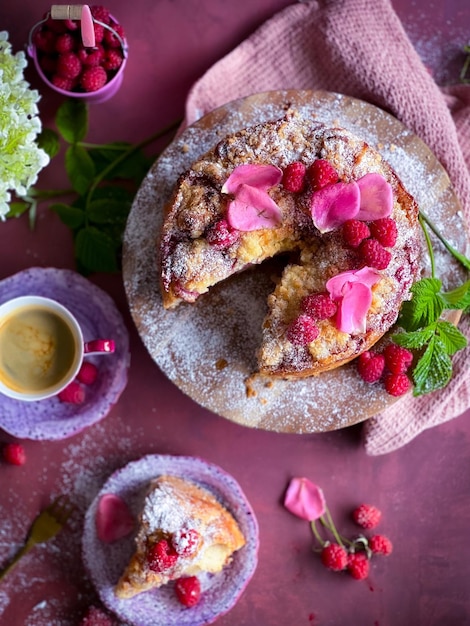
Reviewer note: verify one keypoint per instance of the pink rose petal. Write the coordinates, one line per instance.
(334, 204)
(113, 518)
(376, 198)
(261, 177)
(253, 209)
(352, 291)
(304, 499)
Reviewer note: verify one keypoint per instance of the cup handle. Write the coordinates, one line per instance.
(99, 346)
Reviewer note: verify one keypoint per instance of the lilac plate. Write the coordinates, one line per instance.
(159, 607)
(99, 318)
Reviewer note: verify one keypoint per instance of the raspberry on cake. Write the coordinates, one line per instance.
(183, 531)
(324, 196)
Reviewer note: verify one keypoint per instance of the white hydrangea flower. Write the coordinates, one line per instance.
(21, 159)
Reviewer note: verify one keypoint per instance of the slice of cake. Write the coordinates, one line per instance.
(320, 194)
(183, 531)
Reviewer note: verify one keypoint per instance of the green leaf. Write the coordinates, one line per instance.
(451, 337)
(425, 306)
(134, 167)
(48, 140)
(95, 250)
(433, 370)
(414, 340)
(71, 216)
(72, 120)
(17, 208)
(80, 168)
(458, 298)
(108, 211)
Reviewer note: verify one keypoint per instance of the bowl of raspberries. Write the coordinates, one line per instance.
(78, 64)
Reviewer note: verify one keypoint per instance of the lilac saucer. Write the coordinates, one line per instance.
(98, 316)
(105, 562)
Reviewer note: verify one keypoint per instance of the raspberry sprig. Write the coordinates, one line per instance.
(337, 552)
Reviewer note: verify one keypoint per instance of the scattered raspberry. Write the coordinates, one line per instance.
(322, 173)
(162, 556)
(293, 177)
(185, 542)
(73, 393)
(188, 590)
(65, 43)
(14, 454)
(370, 366)
(354, 232)
(302, 331)
(112, 60)
(221, 235)
(334, 557)
(397, 358)
(358, 565)
(318, 306)
(385, 231)
(379, 544)
(68, 65)
(87, 373)
(397, 384)
(93, 78)
(374, 254)
(367, 515)
(96, 617)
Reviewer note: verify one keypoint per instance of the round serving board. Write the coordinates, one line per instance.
(208, 349)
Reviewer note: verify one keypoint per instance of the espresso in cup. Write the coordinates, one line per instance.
(37, 349)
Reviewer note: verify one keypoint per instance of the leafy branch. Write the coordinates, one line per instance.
(425, 331)
(103, 182)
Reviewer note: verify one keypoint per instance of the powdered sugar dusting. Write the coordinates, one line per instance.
(224, 326)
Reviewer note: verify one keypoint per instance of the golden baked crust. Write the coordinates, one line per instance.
(174, 507)
(190, 265)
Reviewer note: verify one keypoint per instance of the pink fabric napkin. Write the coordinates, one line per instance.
(359, 48)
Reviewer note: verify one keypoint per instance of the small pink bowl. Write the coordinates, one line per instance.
(100, 95)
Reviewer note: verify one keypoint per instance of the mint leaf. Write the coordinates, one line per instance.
(451, 337)
(72, 120)
(48, 140)
(80, 168)
(106, 211)
(71, 216)
(425, 306)
(414, 340)
(458, 298)
(434, 369)
(95, 250)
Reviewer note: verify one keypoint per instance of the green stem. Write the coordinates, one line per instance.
(461, 258)
(422, 221)
(316, 533)
(329, 524)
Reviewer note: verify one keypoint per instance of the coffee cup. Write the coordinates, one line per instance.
(41, 348)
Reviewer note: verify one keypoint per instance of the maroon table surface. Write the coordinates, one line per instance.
(422, 489)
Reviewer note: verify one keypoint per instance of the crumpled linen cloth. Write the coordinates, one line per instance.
(359, 48)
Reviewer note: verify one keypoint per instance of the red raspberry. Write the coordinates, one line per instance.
(71, 25)
(65, 43)
(87, 373)
(67, 84)
(68, 65)
(354, 232)
(334, 557)
(367, 515)
(73, 393)
(14, 454)
(397, 358)
(322, 173)
(185, 542)
(293, 177)
(221, 235)
(93, 78)
(302, 331)
(370, 366)
(100, 13)
(44, 40)
(188, 590)
(397, 384)
(91, 57)
(385, 231)
(379, 544)
(96, 617)
(358, 565)
(112, 60)
(110, 38)
(55, 26)
(318, 306)
(162, 556)
(99, 32)
(374, 254)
